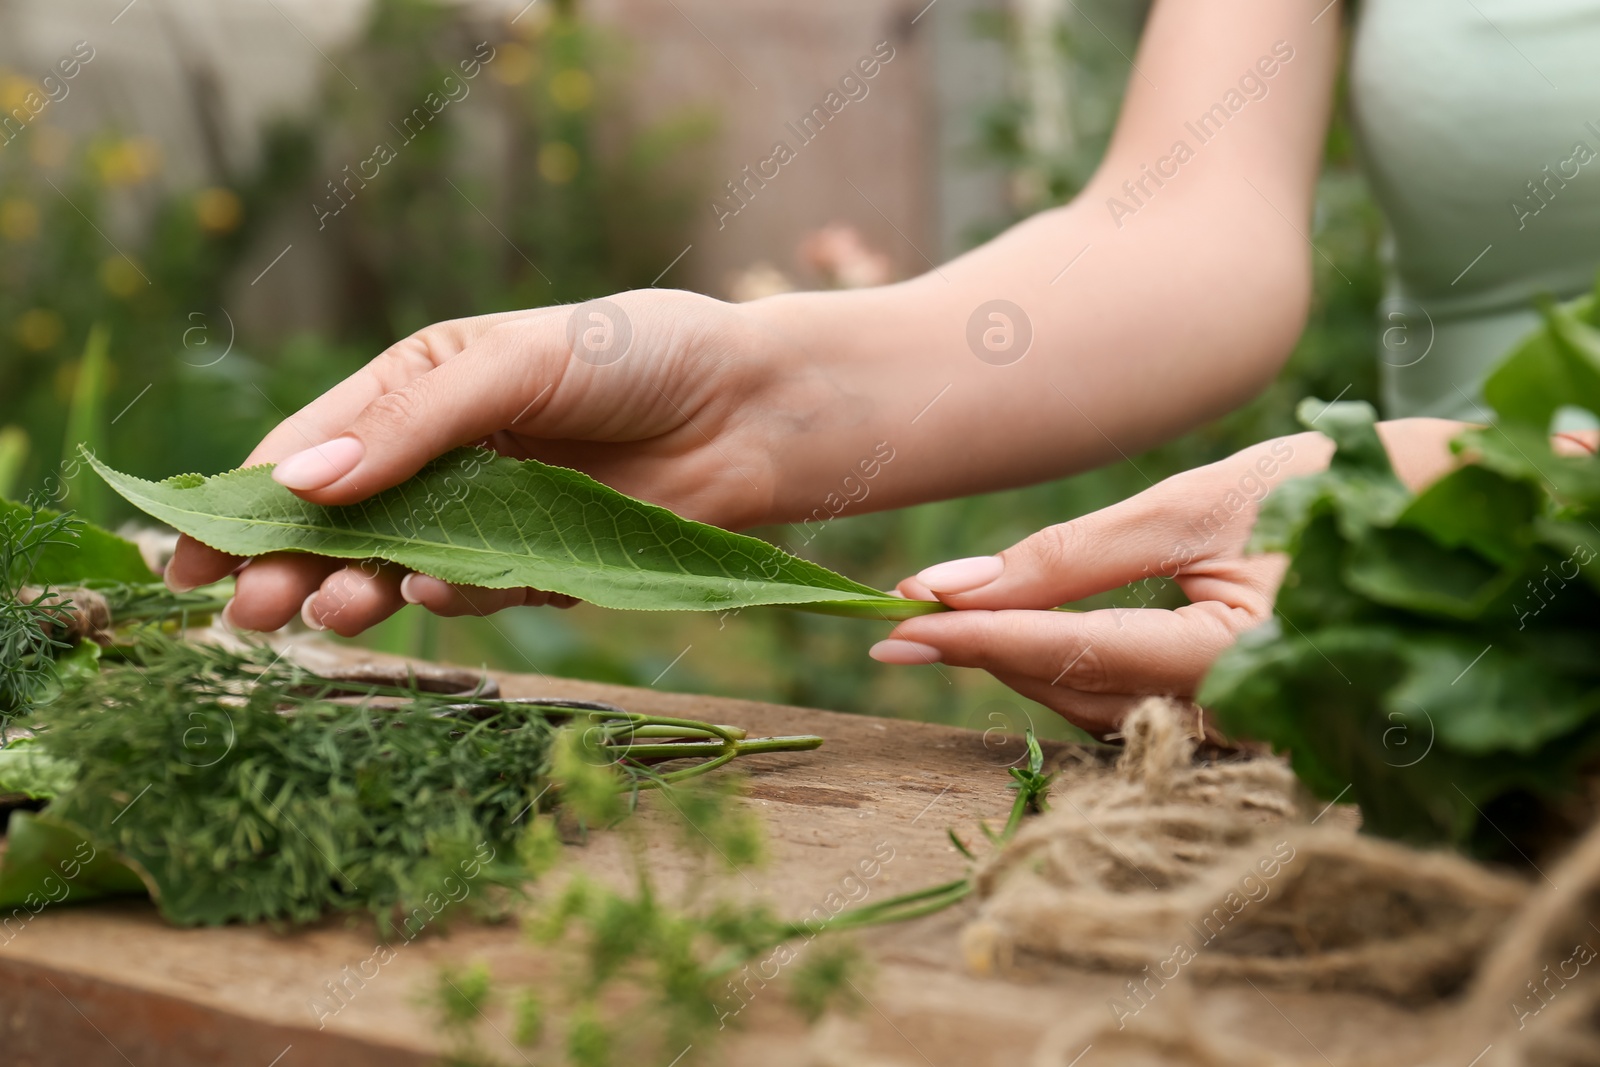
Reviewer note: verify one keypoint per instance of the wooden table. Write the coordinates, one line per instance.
(110, 984)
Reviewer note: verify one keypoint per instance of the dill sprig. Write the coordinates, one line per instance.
(29, 622)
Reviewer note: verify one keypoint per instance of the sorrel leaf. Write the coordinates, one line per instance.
(477, 518)
(1434, 655)
(84, 552)
(27, 771)
(49, 861)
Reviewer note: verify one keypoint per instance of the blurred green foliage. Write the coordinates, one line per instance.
(526, 183)
(584, 203)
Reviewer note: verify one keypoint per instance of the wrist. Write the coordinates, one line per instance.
(822, 404)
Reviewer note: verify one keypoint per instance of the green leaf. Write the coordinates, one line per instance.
(27, 771)
(84, 553)
(1402, 568)
(13, 454)
(78, 664)
(1359, 488)
(1313, 592)
(1554, 366)
(1352, 425)
(477, 518)
(1469, 688)
(86, 422)
(1478, 509)
(49, 861)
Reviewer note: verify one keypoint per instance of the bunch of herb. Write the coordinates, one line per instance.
(239, 791)
(1434, 653)
(240, 786)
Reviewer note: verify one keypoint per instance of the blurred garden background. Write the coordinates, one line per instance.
(184, 260)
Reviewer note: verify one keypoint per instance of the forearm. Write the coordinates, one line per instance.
(1142, 325)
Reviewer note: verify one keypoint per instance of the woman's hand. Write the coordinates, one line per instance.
(1092, 667)
(664, 395)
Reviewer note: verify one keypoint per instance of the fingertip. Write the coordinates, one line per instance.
(424, 589)
(308, 614)
(904, 653)
(194, 564)
(914, 589)
(355, 598)
(961, 575)
(319, 466)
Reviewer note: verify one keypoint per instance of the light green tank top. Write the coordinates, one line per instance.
(1479, 127)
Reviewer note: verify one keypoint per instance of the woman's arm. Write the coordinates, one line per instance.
(1184, 293)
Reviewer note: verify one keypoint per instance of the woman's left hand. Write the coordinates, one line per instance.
(1093, 666)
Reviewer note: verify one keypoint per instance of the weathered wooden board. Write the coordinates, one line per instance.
(111, 984)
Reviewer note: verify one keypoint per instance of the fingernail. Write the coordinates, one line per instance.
(961, 575)
(306, 615)
(904, 653)
(321, 465)
(225, 618)
(173, 583)
(417, 588)
(914, 590)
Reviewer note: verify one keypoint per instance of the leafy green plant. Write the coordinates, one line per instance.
(1434, 658)
(474, 517)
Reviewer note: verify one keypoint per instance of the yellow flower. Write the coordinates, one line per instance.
(19, 219)
(40, 329)
(513, 64)
(219, 210)
(120, 276)
(126, 162)
(558, 162)
(572, 89)
(14, 92)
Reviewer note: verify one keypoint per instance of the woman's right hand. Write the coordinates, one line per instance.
(658, 393)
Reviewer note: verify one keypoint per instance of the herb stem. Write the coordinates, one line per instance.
(713, 754)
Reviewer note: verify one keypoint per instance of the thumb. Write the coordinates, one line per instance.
(1094, 553)
(505, 377)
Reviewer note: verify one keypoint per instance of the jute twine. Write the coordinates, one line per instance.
(1219, 871)
(1169, 872)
